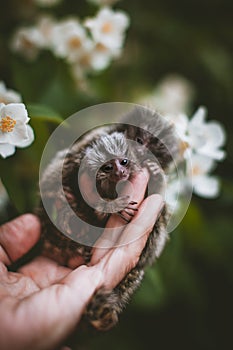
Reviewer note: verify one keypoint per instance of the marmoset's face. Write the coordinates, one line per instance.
(114, 170)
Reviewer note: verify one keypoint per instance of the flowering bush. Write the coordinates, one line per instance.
(88, 45)
(202, 141)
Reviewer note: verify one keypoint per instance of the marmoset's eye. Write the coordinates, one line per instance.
(124, 162)
(107, 168)
(139, 140)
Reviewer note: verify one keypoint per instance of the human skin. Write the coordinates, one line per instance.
(42, 303)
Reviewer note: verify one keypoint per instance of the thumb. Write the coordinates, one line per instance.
(17, 237)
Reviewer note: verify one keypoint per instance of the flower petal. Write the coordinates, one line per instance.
(29, 140)
(16, 111)
(6, 150)
(18, 135)
(206, 138)
(121, 20)
(216, 133)
(201, 164)
(206, 186)
(198, 118)
(108, 27)
(215, 154)
(8, 95)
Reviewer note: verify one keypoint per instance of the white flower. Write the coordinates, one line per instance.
(8, 95)
(101, 56)
(69, 40)
(108, 28)
(204, 185)
(206, 137)
(14, 128)
(13, 120)
(96, 57)
(47, 3)
(199, 136)
(28, 41)
(45, 25)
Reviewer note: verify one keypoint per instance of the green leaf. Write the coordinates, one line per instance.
(12, 184)
(44, 113)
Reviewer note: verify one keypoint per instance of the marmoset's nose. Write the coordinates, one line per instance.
(120, 169)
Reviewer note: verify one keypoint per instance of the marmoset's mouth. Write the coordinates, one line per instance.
(121, 178)
(124, 177)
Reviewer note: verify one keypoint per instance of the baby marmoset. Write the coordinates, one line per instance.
(107, 157)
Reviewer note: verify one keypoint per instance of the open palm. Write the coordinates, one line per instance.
(42, 303)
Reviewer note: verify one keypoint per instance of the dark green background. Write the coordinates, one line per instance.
(185, 301)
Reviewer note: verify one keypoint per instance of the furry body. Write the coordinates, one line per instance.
(98, 148)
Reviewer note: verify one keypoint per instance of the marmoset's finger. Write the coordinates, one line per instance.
(115, 225)
(119, 261)
(17, 237)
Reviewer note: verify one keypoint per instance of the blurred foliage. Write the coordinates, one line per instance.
(186, 298)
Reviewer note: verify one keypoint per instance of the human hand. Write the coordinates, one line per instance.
(42, 303)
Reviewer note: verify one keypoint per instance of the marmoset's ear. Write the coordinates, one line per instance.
(149, 125)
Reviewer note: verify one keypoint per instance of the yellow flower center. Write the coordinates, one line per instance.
(100, 47)
(196, 170)
(183, 146)
(75, 43)
(107, 28)
(7, 124)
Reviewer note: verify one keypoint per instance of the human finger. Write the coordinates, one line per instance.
(119, 261)
(115, 224)
(17, 237)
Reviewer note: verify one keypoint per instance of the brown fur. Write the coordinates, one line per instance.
(96, 147)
